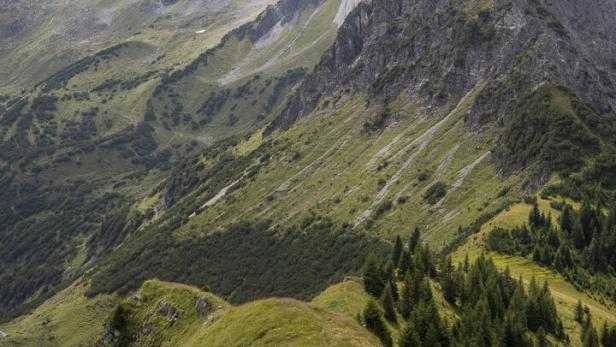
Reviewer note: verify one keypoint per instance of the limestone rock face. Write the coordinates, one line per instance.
(438, 51)
(202, 306)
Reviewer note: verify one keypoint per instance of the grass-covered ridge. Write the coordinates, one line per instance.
(170, 314)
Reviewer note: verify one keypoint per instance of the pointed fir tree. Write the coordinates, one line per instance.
(534, 217)
(466, 263)
(395, 293)
(397, 250)
(373, 276)
(414, 240)
(542, 339)
(373, 318)
(388, 304)
(405, 264)
(409, 337)
(590, 337)
(566, 220)
(515, 320)
(578, 313)
(608, 336)
(406, 297)
(448, 284)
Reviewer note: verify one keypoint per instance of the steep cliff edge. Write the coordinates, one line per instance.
(438, 51)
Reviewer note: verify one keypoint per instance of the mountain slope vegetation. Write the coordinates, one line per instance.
(272, 157)
(110, 126)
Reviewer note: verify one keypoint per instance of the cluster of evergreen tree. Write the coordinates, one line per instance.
(493, 309)
(589, 336)
(413, 303)
(579, 246)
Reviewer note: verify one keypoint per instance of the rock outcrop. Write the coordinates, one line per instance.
(437, 51)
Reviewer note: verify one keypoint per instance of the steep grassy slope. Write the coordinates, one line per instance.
(436, 115)
(169, 314)
(67, 319)
(111, 124)
(41, 39)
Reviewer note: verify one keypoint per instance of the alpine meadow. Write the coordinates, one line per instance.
(311, 173)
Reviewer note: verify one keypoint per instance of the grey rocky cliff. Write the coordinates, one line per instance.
(438, 51)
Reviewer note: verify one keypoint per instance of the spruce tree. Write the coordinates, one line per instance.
(532, 306)
(397, 250)
(405, 263)
(466, 263)
(414, 240)
(395, 293)
(448, 285)
(608, 336)
(578, 314)
(373, 276)
(542, 340)
(535, 218)
(373, 318)
(590, 337)
(409, 337)
(586, 222)
(388, 304)
(566, 220)
(407, 301)
(515, 320)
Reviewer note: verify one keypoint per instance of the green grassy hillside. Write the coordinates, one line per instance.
(68, 319)
(169, 314)
(135, 100)
(43, 39)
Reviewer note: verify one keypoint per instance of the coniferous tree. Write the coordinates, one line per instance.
(373, 318)
(373, 276)
(407, 300)
(563, 259)
(428, 324)
(448, 284)
(424, 259)
(466, 263)
(409, 337)
(388, 271)
(414, 240)
(586, 221)
(578, 314)
(590, 337)
(542, 340)
(486, 334)
(405, 263)
(395, 293)
(579, 239)
(608, 336)
(566, 220)
(535, 219)
(515, 321)
(397, 250)
(388, 304)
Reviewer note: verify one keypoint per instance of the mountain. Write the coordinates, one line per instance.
(110, 124)
(273, 162)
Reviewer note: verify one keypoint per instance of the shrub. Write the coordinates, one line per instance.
(435, 193)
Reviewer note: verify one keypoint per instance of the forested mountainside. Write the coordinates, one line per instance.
(260, 152)
(84, 146)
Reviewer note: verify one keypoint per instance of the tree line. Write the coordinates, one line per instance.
(579, 245)
(491, 308)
